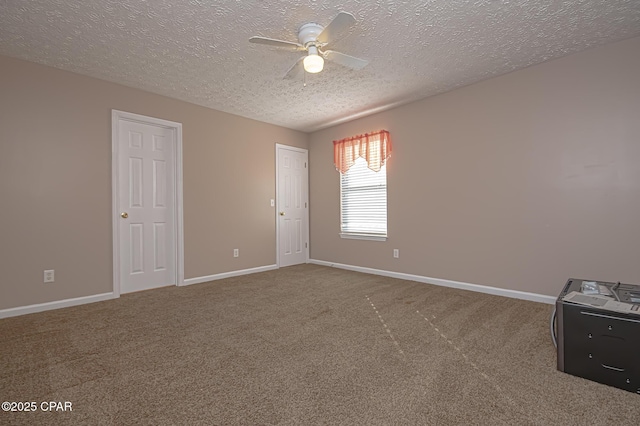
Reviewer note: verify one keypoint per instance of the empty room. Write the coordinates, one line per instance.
(320, 212)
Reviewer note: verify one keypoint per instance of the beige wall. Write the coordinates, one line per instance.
(55, 183)
(517, 182)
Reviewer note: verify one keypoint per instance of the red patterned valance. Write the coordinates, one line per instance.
(373, 147)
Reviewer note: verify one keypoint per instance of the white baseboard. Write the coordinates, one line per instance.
(40, 307)
(515, 294)
(229, 274)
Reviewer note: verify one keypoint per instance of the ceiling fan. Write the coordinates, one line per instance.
(313, 38)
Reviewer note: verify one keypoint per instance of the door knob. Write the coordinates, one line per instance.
(281, 213)
(124, 215)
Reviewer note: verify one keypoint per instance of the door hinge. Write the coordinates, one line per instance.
(305, 205)
(305, 164)
(306, 245)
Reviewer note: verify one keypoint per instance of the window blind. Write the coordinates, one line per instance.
(363, 200)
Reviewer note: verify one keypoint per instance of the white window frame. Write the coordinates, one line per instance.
(364, 235)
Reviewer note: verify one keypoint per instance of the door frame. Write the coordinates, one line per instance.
(116, 118)
(304, 151)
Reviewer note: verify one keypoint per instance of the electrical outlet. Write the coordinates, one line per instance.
(396, 253)
(49, 276)
(236, 252)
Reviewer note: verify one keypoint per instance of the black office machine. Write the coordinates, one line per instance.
(598, 332)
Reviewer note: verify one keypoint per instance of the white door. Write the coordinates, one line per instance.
(146, 205)
(293, 203)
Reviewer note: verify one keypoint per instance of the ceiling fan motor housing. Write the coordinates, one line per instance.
(308, 34)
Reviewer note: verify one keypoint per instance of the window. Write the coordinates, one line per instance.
(363, 202)
(363, 184)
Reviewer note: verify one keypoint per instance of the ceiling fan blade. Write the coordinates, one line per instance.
(346, 60)
(276, 43)
(340, 24)
(295, 70)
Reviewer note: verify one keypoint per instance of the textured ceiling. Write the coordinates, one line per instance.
(198, 50)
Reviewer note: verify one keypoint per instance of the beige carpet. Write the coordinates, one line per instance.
(298, 346)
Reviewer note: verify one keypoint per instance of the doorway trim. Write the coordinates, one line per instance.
(116, 118)
(277, 219)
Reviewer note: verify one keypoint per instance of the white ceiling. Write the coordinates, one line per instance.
(198, 50)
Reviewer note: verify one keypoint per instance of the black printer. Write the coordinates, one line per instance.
(598, 332)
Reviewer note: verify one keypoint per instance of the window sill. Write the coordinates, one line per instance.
(364, 237)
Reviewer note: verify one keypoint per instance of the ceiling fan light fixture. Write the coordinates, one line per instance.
(313, 63)
(311, 38)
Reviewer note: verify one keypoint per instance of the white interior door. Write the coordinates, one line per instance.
(293, 203)
(146, 205)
